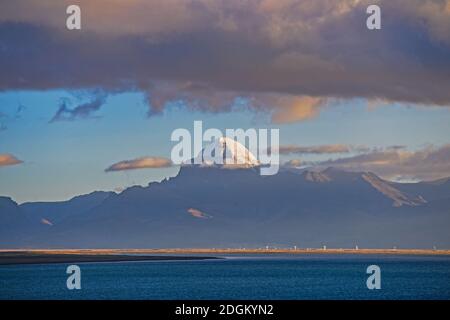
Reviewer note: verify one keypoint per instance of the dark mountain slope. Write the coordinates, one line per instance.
(217, 207)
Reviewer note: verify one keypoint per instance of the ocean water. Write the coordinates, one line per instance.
(243, 277)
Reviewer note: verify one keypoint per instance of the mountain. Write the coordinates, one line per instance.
(10, 216)
(22, 224)
(215, 206)
(225, 152)
(54, 212)
(14, 223)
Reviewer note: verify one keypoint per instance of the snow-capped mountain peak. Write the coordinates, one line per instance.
(227, 152)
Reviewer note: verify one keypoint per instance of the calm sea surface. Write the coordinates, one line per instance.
(243, 277)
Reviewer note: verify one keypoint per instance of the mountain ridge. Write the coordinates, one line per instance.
(214, 207)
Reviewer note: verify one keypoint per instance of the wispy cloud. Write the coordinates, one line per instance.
(19, 111)
(81, 111)
(7, 159)
(2, 125)
(140, 163)
(9, 118)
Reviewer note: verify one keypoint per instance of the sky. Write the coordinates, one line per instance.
(93, 109)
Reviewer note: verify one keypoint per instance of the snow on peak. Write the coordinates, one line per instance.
(227, 152)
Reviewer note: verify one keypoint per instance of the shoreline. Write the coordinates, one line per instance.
(45, 257)
(35, 256)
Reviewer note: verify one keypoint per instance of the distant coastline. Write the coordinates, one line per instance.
(63, 256)
(36, 256)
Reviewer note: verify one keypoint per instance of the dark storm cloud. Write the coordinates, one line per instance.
(285, 57)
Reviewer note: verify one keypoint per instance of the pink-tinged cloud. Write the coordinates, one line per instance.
(392, 163)
(140, 163)
(321, 149)
(8, 160)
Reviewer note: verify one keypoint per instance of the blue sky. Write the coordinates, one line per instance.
(76, 102)
(66, 158)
